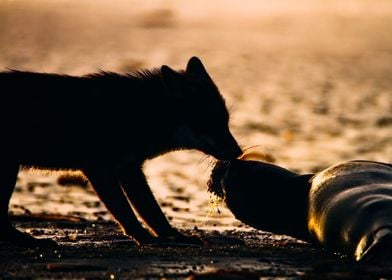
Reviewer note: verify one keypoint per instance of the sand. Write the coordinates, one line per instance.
(310, 84)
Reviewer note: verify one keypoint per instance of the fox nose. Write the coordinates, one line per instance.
(233, 153)
(237, 151)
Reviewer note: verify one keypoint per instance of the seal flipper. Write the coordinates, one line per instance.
(380, 248)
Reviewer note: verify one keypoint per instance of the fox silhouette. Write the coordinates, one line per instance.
(118, 121)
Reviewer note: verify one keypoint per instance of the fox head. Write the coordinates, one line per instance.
(204, 118)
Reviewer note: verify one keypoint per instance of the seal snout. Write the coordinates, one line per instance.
(215, 182)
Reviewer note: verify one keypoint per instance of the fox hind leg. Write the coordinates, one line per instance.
(8, 175)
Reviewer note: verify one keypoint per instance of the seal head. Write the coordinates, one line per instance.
(263, 195)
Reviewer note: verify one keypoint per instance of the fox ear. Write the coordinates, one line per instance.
(171, 80)
(196, 67)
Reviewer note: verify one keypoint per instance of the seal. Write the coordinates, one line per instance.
(346, 208)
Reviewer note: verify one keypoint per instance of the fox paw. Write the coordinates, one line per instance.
(17, 238)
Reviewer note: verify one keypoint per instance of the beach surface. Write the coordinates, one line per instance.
(309, 85)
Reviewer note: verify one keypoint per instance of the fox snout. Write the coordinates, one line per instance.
(226, 148)
(229, 152)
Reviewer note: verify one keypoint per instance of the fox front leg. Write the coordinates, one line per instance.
(107, 186)
(143, 201)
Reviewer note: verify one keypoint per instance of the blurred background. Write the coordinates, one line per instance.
(309, 81)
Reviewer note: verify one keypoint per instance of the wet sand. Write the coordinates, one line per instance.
(98, 250)
(311, 84)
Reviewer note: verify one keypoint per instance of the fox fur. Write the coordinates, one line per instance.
(106, 125)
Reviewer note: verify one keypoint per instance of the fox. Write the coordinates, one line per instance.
(118, 121)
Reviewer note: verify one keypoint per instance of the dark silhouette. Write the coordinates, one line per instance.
(107, 125)
(346, 208)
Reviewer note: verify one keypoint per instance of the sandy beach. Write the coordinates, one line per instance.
(309, 84)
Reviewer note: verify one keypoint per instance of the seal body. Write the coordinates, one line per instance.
(350, 209)
(346, 208)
